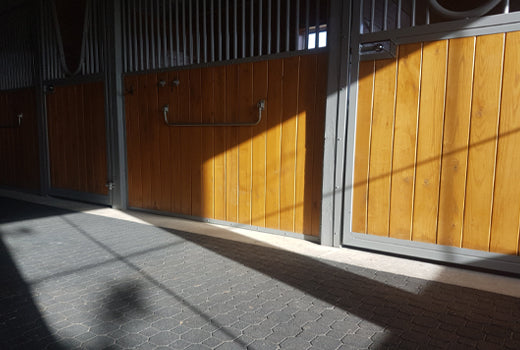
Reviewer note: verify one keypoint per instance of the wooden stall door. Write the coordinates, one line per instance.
(437, 144)
(77, 141)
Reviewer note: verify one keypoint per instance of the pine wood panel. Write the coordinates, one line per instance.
(483, 135)
(19, 146)
(289, 124)
(361, 160)
(429, 141)
(246, 113)
(220, 144)
(258, 196)
(237, 174)
(77, 138)
(133, 137)
(304, 144)
(207, 145)
(164, 149)
(506, 206)
(381, 148)
(273, 147)
(318, 126)
(455, 143)
(405, 136)
(454, 168)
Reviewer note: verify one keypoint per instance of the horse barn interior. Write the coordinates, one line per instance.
(385, 125)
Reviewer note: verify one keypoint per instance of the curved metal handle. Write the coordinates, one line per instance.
(15, 126)
(260, 105)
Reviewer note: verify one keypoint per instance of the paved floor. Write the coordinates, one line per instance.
(78, 280)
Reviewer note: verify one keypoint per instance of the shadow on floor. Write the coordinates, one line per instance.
(414, 313)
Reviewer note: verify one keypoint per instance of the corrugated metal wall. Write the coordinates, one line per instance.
(437, 154)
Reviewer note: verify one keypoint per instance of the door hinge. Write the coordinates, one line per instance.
(110, 186)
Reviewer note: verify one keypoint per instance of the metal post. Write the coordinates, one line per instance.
(372, 16)
(278, 19)
(205, 30)
(252, 29)
(335, 124)
(177, 35)
(269, 15)
(385, 16)
(212, 29)
(297, 25)
(243, 28)
(316, 39)
(115, 111)
(197, 27)
(288, 26)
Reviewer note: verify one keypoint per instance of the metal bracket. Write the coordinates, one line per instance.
(377, 50)
(16, 125)
(110, 186)
(260, 105)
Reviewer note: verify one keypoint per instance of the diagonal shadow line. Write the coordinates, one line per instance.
(438, 157)
(153, 281)
(99, 264)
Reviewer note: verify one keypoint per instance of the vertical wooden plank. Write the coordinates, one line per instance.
(258, 196)
(363, 121)
(155, 117)
(319, 133)
(506, 206)
(175, 145)
(405, 132)
(429, 141)
(482, 142)
(185, 141)
(246, 113)
(133, 142)
(381, 148)
(194, 148)
(82, 99)
(165, 164)
(231, 144)
(88, 131)
(289, 125)
(220, 94)
(207, 144)
(98, 142)
(455, 143)
(305, 144)
(146, 92)
(273, 146)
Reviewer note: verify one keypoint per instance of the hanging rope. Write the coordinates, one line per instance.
(476, 12)
(86, 23)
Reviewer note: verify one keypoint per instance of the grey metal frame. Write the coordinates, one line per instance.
(456, 29)
(335, 123)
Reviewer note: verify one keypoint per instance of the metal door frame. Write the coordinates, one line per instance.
(446, 254)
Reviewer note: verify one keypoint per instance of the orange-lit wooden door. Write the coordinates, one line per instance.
(77, 142)
(437, 151)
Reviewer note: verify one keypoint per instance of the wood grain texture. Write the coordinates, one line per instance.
(455, 143)
(19, 146)
(405, 133)
(246, 113)
(506, 206)
(482, 142)
(361, 159)
(289, 126)
(77, 138)
(258, 196)
(220, 143)
(381, 148)
(231, 173)
(273, 148)
(133, 142)
(429, 141)
(318, 144)
(304, 144)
